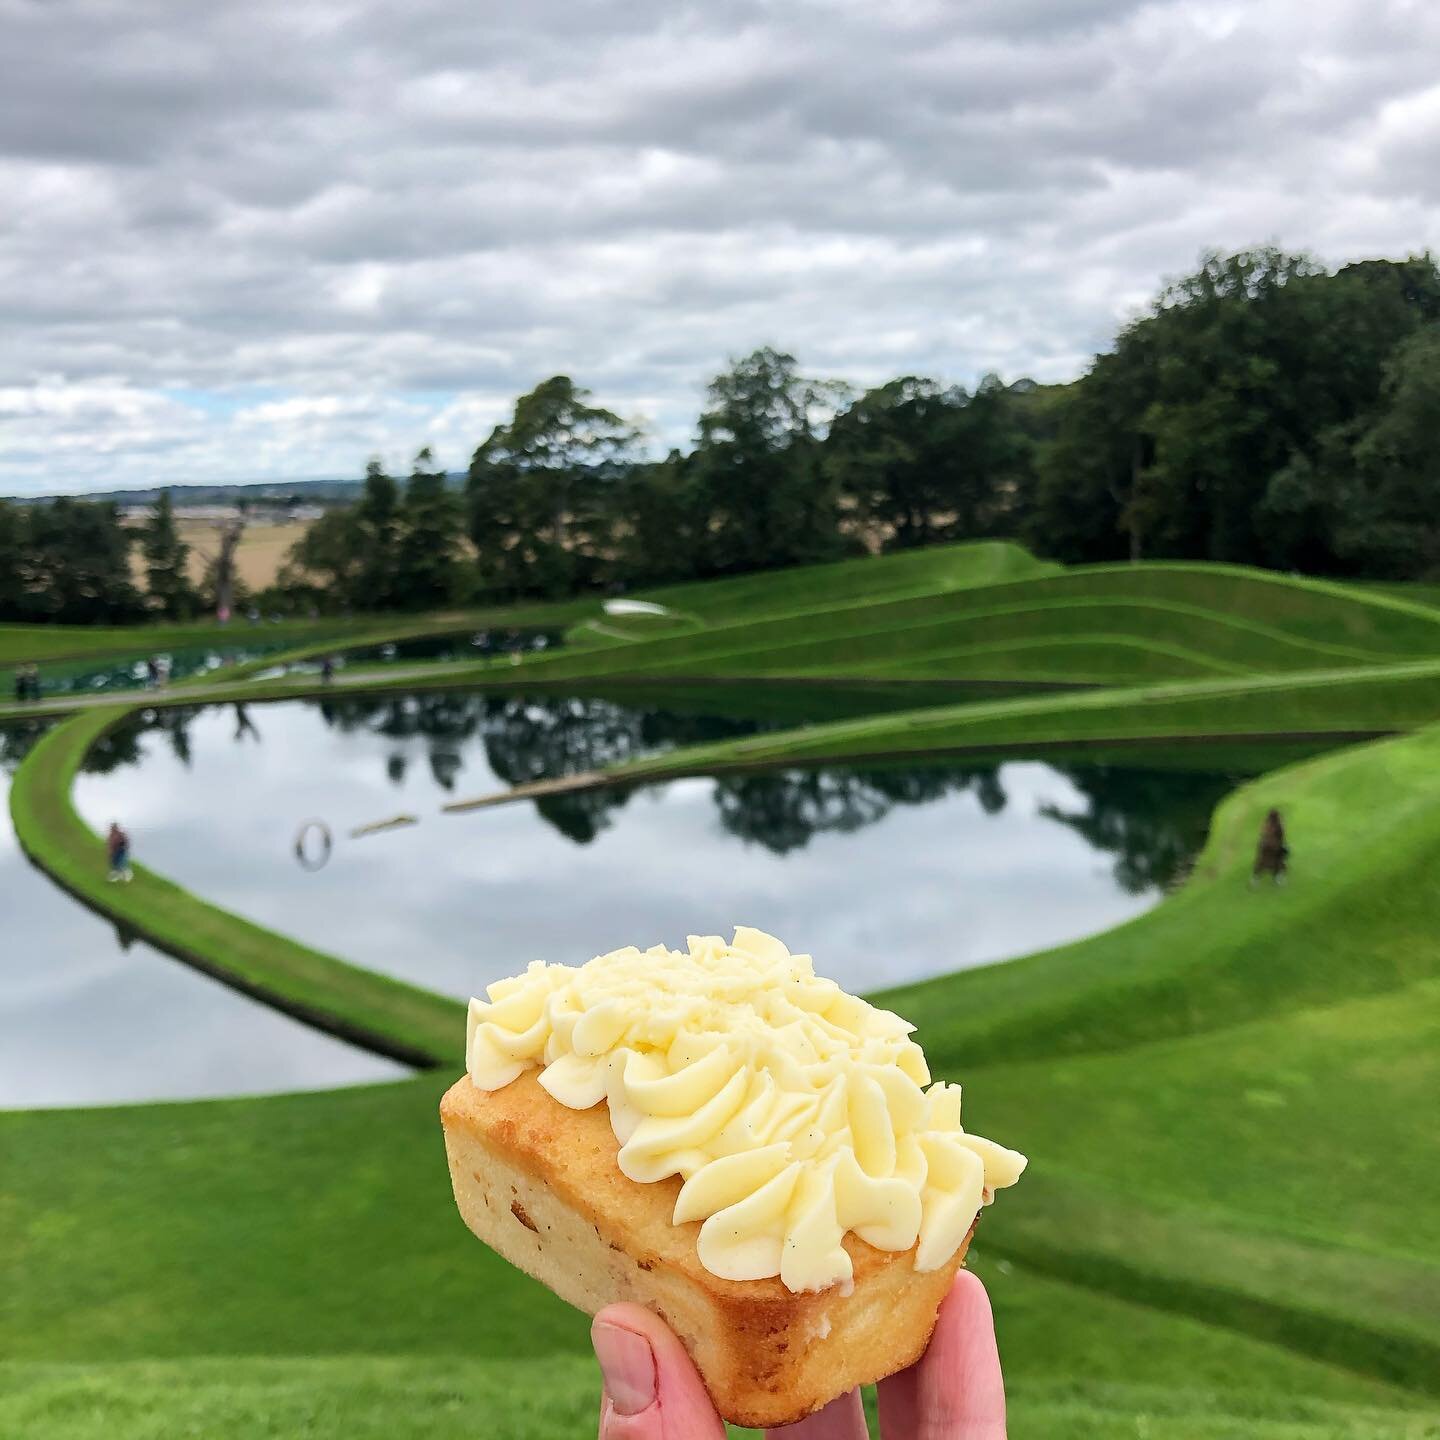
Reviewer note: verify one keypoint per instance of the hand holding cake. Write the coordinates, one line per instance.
(953, 1392)
(725, 1138)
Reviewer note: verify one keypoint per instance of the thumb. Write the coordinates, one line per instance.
(652, 1389)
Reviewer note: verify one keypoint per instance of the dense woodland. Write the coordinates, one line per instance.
(1263, 411)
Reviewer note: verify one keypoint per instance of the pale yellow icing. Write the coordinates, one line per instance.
(794, 1113)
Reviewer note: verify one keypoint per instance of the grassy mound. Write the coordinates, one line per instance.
(1098, 625)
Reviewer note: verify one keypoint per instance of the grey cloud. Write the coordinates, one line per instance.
(436, 205)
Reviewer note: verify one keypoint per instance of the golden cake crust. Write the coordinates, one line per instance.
(541, 1184)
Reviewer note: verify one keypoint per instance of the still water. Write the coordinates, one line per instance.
(87, 1019)
(884, 875)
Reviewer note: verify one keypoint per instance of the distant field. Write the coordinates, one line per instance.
(262, 550)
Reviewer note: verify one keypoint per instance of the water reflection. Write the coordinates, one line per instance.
(471, 645)
(784, 810)
(91, 1015)
(17, 739)
(70, 677)
(887, 873)
(466, 645)
(1153, 822)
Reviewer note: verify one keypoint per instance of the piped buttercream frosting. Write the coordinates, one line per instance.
(793, 1112)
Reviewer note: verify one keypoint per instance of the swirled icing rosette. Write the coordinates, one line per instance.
(793, 1112)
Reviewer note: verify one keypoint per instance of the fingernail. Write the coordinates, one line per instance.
(628, 1366)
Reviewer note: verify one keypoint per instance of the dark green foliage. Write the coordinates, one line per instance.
(1373, 487)
(429, 525)
(1219, 425)
(542, 493)
(661, 538)
(762, 495)
(350, 557)
(326, 563)
(12, 551)
(1263, 412)
(170, 591)
(921, 463)
(68, 561)
(378, 516)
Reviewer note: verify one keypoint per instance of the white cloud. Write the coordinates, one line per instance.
(387, 221)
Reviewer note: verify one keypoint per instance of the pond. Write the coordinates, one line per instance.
(884, 874)
(87, 1018)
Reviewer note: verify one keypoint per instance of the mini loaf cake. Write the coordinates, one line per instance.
(725, 1137)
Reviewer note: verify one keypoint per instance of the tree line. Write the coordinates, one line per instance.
(1261, 411)
(69, 561)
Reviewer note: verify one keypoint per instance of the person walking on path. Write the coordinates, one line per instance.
(327, 669)
(117, 848)
(1272, 854)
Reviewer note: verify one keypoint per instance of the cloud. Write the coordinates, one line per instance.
(414, 213)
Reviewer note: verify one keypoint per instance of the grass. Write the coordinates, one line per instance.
(1094, 625)
(1225, 1229)
(1183, 1250)
(358, 1280)
(42, 643)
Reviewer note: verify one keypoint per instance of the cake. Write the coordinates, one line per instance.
(735, 1143)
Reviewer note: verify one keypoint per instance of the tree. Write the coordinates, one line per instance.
(1095, 493)
(887, 455)
(429, 519)
(166, 556)
(222, 588)
(922, 463)
(13, 538)
(378, 516)
(68, 561)
(541, 493)
(764, 497)
(662, 539)
(1391, 518)
(76, 567)
(327, 560)
(1195, 435)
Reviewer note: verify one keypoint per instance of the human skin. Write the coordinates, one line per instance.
(953, 1392)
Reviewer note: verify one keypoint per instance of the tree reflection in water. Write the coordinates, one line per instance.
(784, 809)
(1152, 821)
(17, 739)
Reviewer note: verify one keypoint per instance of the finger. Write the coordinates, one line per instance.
(652, 1389)
(842, 1419)
(955, 1390)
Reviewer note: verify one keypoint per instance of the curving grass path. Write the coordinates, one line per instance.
(371, 1010)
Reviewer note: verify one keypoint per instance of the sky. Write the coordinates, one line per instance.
(256, 240)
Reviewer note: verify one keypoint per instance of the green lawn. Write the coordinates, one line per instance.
(1228, 1227)
(1095, 625)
